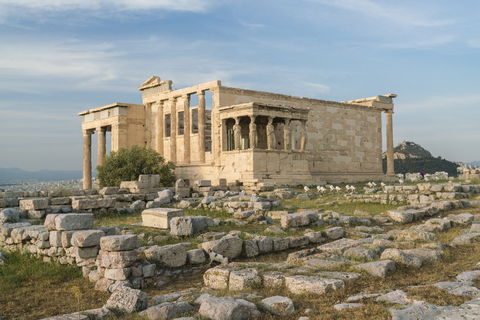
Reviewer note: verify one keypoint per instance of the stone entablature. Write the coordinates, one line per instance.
(252, 135)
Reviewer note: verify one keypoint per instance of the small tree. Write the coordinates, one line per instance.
(128, 164)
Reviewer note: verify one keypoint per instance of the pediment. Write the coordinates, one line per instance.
(153, 81)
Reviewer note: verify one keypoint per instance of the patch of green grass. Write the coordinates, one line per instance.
(21, 269)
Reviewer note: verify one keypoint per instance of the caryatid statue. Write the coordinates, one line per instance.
(271, 134)
(303, 135)
(237, 133)
(287, 135)
(253, 133)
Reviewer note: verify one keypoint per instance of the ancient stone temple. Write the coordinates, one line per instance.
(246, 135)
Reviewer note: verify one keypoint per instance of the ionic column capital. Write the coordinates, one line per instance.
(200, 92)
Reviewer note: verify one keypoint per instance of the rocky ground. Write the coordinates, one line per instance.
(317, 262)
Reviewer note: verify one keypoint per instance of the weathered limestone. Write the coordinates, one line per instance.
(74, 221)
(173, 255)
(278, 305)
(87, 238)
(311, 284)
(128, 300)
(227, 308)
(266, 133)
(378, 268)
(160, 217)
(119, 243)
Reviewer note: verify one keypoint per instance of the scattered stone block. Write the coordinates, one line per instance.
(312, 284)
(227, 308)
(278, 305)
(74, 221)
(273, 279)
(466, 239)
(87, 238)
(117, 274)
(228, 246)
(128, 300)
(217, 278)
(344, 306)
(378, 268)
(401, 216)
(9, 215)
(250, 248)
(119, 243)
(424, 254)
(334, 233)
(196, 256)
(34, 204)
(115, 260)
(244, 279)
(173, 255)
(401, 257)
(338, 246)
(280, 244)
(160, 217)
(167, 310)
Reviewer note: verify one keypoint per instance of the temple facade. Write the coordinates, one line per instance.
(246, 135)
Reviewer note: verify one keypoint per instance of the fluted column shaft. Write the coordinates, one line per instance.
(102, 148)
(87, 159)
(159, 128)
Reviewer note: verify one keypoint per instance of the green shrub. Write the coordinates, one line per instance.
(127, 164)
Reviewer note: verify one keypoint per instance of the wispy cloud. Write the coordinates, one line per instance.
(321, 87)
(442, 102)
(388, 11)
(68, 5)
(428, 43)
(251, 25)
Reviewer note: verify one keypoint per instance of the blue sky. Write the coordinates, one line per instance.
(60, 57)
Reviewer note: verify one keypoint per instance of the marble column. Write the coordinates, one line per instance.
(173, 130)
(253, 133)
(201, 125)
(186, 128)
(102, 147)
(390, 162)
(287, 135)
(87, 159)
(159, 128)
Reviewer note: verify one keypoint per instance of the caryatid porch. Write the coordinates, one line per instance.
(264, 141)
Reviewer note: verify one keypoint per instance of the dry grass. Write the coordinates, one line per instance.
(32, 289)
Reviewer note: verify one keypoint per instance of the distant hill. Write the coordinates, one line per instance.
(410, 157)
(474, 163)
(8, 175)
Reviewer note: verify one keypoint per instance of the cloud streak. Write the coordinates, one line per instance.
(130, 5)
(396, 14)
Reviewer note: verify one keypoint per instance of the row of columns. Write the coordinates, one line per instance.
(160, 127)
(87, 153)
(288, 134)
